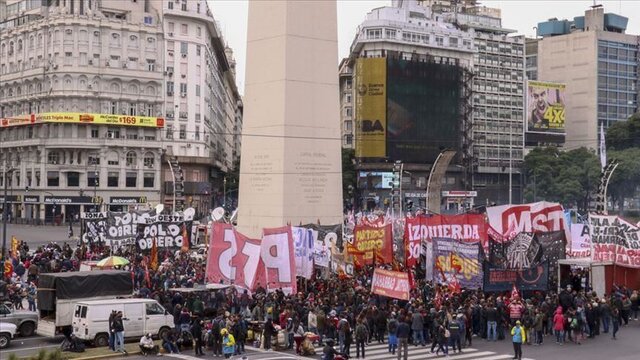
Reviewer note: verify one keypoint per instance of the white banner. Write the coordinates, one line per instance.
(540, 217)
(278, 255)
(304, 247)
(580, 242)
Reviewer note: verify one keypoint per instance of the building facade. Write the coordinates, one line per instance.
(84, 111)
(202, 104)
(498, 106)
(599, 63)
(412, 40)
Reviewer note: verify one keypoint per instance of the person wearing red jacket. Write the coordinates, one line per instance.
(558, 326)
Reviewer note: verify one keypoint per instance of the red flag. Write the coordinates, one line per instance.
(454, 285)
(146, 276)
(456, 265)
(185, 239)
(154, 255)
(514, 292)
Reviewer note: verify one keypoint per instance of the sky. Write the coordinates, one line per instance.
(519, 15)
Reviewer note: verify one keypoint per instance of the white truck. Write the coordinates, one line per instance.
(139, 316)
(58, 294)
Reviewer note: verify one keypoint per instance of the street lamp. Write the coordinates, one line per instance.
(5, 212)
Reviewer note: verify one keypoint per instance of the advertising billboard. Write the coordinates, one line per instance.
(84, 118)
(375, 180)
(371, 107)
(545, 107)
(423, 109)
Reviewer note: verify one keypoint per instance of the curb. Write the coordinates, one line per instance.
(105, 356)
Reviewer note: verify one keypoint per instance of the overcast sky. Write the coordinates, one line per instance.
(520, 15)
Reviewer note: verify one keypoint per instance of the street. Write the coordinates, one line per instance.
(40, 235)
(602, 347)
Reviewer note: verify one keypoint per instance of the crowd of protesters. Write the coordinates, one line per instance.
(341, 309)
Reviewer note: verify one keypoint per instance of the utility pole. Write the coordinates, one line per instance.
(5, 210)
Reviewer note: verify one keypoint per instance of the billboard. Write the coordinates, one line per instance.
(84, 118)
(424, 109)
(375, 180)
(371, 107)
(545, 107)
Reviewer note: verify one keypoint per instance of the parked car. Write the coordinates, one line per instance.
(25, 321)
(7, 332)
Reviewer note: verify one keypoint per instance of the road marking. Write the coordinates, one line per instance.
(35, 347)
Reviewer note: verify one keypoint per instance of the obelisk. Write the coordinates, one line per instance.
(290, 170)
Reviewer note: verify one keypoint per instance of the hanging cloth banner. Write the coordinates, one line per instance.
(303, 246)
(615, 239)
(457, 259)
(393, 284)
(278, 255)
(370, 242)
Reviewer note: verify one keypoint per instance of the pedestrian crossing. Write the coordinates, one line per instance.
(375, 351)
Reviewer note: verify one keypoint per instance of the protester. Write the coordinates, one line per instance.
(147, 346)
(519, 336)
(403, 338)
(228, 343)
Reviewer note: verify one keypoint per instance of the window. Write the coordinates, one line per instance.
(184, 47)
(197, 90)
(348, 97)
(184, 29)
(169, 87)
(112, 158)
(151, 65)
(132, 109)
(374, 33)
(171, 27)
(112, 179)
(53, 157)
(148, 180)
(453, 42)
(390, 33)
(439, 41)
(131, 159)
(198, 50)
(183, 88)
(198, 30)
(114, 107)
(93, 178)
(169, 131)
(93, 159)
(53, 178)
(73, 179)
(183, 132)
(197, 132)
(170, 4)
(149, 160)
(131, 179)
(153, 308)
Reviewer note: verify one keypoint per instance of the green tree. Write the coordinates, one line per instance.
(349, 176)
(567, 177)
(624, 134)
(626, 178)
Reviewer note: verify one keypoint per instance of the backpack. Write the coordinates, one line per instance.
(361, 332)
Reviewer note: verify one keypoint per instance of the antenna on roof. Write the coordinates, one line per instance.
(595, 6)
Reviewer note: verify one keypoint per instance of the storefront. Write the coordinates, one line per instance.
(126, 203)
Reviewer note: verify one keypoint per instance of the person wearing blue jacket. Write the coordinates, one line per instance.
(518, 336)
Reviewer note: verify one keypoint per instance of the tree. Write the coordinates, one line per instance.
(624, 134)
(626, 178)
(567, 177)
(349, 176)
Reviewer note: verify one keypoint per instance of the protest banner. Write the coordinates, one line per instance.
(454, 258)
(373, 242)
(498, 279)
(615, 239)
(249, 268)
(324, 236)
(580, 242)
(169, 231)
(510, 220)
(413, 239)
(303, 247)
(393, 284)
(222, 248)
(277, 254)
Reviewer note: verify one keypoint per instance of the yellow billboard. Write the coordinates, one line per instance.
(85, 118)
(371, 107)
(545, 106)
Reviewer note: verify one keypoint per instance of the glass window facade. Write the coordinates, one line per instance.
(617, 81)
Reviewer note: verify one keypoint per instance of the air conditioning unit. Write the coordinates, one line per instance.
(106, 63)
(183, 76)
(169, 93)
(111, 135)
(170, 69)
(90, 61)
(170, 34)
(183, 94)
(184, 55)
(55, 66)
(89, 86)
(188, 145)
(124, 65)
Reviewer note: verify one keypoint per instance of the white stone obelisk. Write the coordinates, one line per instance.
(291, 168)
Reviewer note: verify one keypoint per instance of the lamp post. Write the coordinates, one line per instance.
(5, 212)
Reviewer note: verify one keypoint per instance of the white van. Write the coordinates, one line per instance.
(140, 316)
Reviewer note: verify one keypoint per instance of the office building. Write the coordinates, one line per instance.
(598, 62)
(85, 106)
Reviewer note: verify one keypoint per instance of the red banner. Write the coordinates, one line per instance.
(393, 284)
(250, 272)
(540, 217)
(222, 248)
(370, 242)
(279, 260)
(412, 241)
(468, 228)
